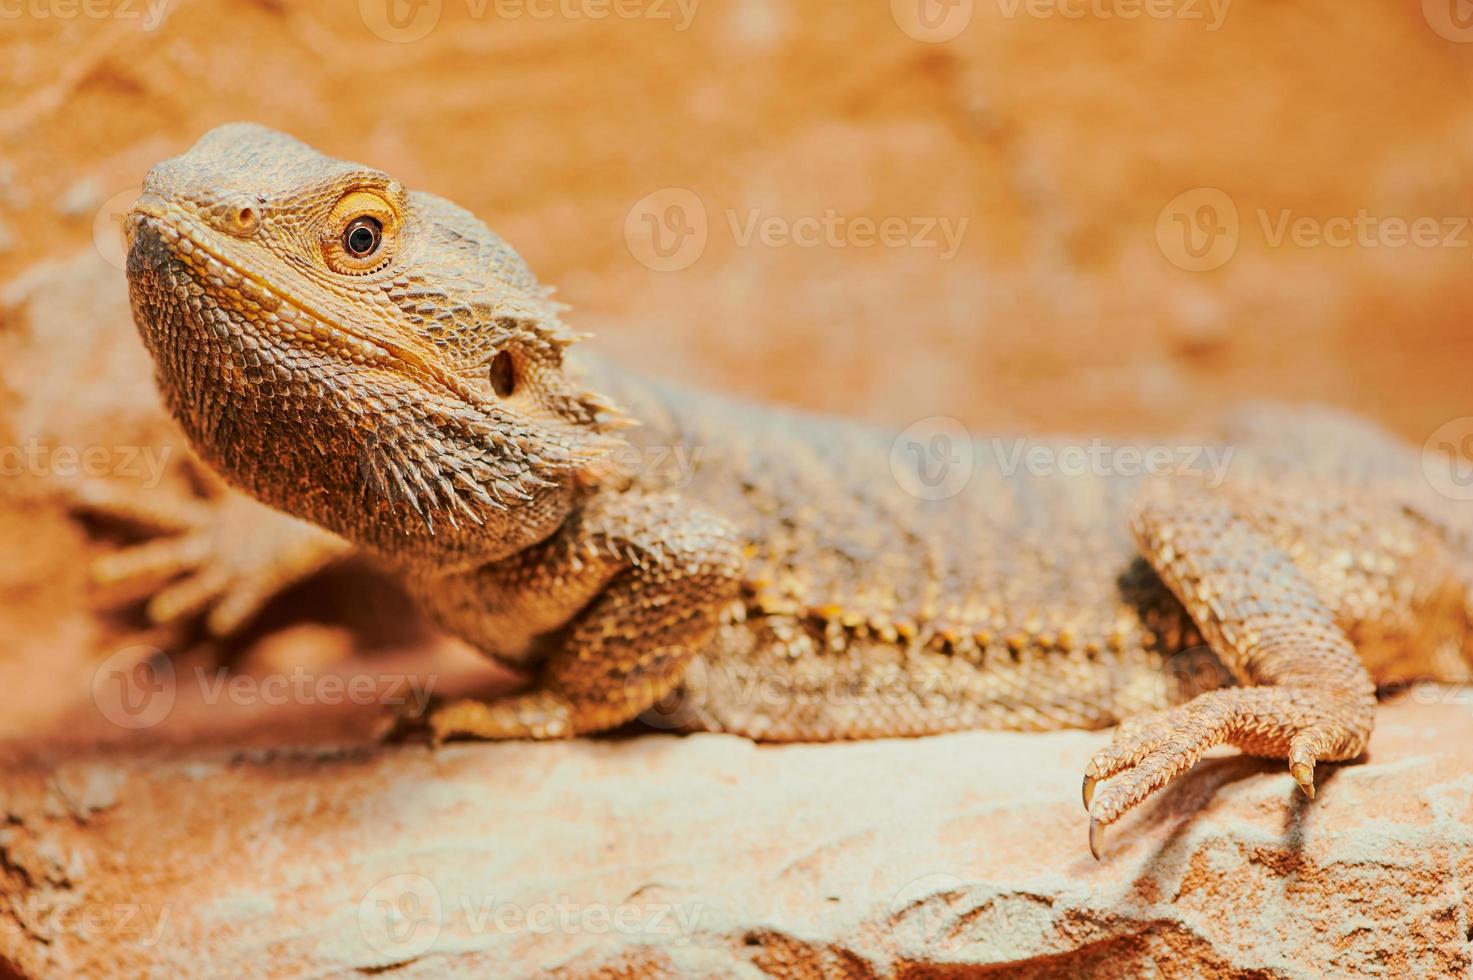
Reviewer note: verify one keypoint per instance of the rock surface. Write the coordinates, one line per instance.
(657, 855)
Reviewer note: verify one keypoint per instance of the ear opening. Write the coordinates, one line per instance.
(503, 374)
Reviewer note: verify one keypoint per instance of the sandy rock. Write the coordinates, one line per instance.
(657, 855)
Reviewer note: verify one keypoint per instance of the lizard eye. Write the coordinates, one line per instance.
(362, 238)
(361, 234)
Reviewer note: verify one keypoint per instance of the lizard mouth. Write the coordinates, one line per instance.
(157, 231)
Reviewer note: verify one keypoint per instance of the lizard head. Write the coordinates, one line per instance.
(363, 356)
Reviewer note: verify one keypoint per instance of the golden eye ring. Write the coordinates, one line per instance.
(361, 234)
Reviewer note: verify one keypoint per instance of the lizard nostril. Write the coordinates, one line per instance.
(246, 220)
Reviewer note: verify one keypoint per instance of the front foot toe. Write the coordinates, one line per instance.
(222, 558)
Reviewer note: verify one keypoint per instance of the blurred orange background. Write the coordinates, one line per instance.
(1056, 143)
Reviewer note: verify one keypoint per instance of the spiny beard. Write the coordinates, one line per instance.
(466, 462)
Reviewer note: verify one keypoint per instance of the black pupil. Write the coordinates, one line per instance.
(363, 236)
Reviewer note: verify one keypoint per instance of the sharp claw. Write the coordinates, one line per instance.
(1089, 789)
(1096, 837)
(1303, 773)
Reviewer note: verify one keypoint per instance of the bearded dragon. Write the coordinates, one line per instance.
(377, 363)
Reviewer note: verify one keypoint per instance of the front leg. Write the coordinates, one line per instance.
(660, 573)
(223, 557)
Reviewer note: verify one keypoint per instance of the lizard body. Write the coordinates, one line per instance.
(375, 361)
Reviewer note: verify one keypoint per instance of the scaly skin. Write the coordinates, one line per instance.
(724, 567)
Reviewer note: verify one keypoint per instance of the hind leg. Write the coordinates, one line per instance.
(1309, 698)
